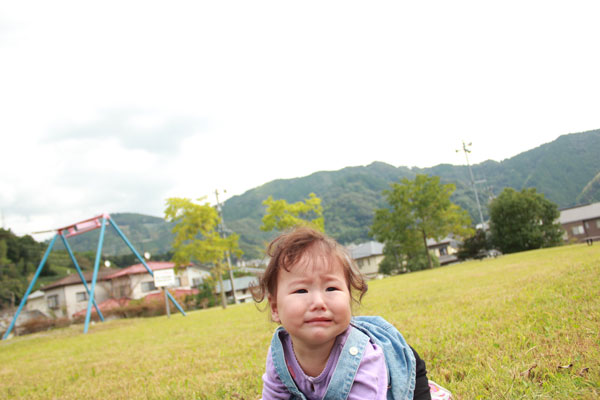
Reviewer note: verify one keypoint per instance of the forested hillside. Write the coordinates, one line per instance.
(566, 170)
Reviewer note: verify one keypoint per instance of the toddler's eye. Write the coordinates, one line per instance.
(301, 291)
(331, 289)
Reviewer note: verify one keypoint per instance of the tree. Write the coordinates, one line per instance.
(419, 209)
(474, 246)
(394, 263)
(197, 236)
(281, 216)
(206, 293)
(524, 220)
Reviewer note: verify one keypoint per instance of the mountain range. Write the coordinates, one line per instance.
(566, 171)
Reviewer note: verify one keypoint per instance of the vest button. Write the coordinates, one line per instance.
(353, 350)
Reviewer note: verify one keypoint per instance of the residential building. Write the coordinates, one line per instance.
(367, 257)
(37, 301)
(242, 291)
(67, 296)
(444, 249)
(581, 223)
(134, 282)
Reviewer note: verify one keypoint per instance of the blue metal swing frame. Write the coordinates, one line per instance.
(76, 229)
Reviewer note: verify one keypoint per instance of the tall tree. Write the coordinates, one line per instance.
(281, 215)
(419, 209)
(524, 220)
(197, 237)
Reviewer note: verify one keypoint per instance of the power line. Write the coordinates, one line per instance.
(473, 183)
(223, 232)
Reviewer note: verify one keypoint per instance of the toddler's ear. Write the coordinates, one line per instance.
(274, 312)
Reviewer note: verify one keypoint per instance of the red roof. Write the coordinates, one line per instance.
(140, 269)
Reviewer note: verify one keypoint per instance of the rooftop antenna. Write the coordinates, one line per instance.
(465, 149)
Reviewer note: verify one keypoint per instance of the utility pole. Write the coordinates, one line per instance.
(467, 151)
(223, 232)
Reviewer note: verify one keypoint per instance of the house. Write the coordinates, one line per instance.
(367, 257)
(445, 249)
(242, 291)
(581, 223)
(134, 282)
(37, 301)
(67, 296)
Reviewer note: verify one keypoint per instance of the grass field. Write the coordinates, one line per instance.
(494, 329)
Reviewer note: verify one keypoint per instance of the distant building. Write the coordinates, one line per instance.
(67, 296)
(242, 291)
(445, 249)
(134, 282)
(581, 223)
(367, 257)
(37, 301)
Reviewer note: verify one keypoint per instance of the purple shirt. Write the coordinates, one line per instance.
(370, 382)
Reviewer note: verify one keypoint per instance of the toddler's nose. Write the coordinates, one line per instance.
(317, 301)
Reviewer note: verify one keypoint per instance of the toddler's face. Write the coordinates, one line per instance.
(312, 301)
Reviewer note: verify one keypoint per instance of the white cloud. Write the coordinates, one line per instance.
(116, 106)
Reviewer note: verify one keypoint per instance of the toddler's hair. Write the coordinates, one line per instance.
(288, 248)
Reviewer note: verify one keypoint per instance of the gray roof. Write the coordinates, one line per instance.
(240, 283)
(580, 213)
(447, 240)
(366, 250)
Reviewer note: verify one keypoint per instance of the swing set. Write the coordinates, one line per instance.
(100, 221)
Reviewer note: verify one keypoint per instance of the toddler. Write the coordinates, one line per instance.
(320, 351)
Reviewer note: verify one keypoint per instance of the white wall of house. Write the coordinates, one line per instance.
(37, 301)
(141, 285)
(77, 298)
(443, 249)
(369, 266)
(56, 302)
(195, 276)
(64, 301)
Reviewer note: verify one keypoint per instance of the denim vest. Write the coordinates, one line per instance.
(399, 360)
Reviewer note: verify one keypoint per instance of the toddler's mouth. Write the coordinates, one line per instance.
(318, 320)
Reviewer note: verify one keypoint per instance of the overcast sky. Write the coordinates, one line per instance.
(117, 105)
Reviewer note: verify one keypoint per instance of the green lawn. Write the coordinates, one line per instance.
(496, 329)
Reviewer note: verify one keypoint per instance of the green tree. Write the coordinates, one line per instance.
(524, 220)
(281, 215)
(3, 254)
(206, 293)
(197, 236)
(474, 246)
(419, 209)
